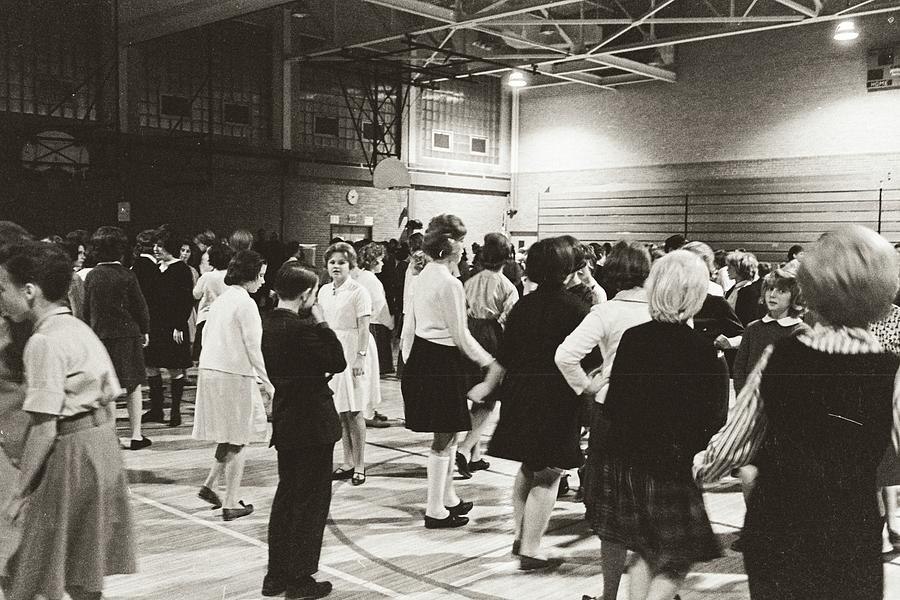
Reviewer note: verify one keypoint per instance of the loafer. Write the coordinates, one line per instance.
(358, 478)
(462, 508)
(379, 417)
(341, 474)
(272, 586)
(462, 466)
(530, 563)
(209, 496)
(175, 421)
(377, 424)
(447, 523)
(479, 465)
(139, 444)
(152, 417)
(308, 590)
(230, 514)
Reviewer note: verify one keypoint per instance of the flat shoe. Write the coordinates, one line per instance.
(209, 496)
(308, 591)
(273, 586)
(450, 521)
(358, 478)
(139, 444)
(341, 473)
(529, 563)
(230, 514)
(462, 508)
(479, 465)
(462, 466)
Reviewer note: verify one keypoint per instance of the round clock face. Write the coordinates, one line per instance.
(352, 197)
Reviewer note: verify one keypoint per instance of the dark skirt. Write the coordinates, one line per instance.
(382, 337)
(127, 356)
(487, 332)
(539, 421)
(163, 352)
(434, 389)
(663, 520)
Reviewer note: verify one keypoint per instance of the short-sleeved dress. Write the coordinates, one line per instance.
(77, 524)
(342, 307)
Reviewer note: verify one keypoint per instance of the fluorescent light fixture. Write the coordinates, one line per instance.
(516, 79)
(846, 31)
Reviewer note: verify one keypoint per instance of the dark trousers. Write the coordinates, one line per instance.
(299, 511)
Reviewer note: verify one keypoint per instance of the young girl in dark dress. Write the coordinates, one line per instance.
(115, 309)
(300, 358)
(170, 301)
(539, 422)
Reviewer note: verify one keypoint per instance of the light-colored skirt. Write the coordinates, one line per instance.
(77, 526)
(352, 394)
(229, 409)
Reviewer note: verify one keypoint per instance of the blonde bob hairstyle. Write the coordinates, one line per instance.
(342, 248)
(850, 276)
(677, 286)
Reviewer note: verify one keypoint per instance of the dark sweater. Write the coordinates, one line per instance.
(114, 306)
(668, 394)
(299, 360)
(757, 337)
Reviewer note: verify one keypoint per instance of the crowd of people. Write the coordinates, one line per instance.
(685, 365)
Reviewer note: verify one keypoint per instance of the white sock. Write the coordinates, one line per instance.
(437, 482)
(450, 497)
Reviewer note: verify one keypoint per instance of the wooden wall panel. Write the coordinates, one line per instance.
(765, 216)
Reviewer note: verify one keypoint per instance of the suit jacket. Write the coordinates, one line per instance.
(300, 359)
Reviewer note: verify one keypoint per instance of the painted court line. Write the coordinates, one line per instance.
(260, 544)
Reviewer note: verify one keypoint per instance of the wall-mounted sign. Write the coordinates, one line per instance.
(123, 212)
(353, 219)
(369, 221)
(883, 69)
(334, 219)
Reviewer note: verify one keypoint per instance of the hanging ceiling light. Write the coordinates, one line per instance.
(547, 30)
(846, 31)
(516, 79)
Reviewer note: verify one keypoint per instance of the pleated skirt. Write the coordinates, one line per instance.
(434, 387)
(77, 526)
(229, 409)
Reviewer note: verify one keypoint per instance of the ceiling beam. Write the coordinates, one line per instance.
(800, 8)
(186, 14)
(652, 21)
(636, 23)
(418, 8)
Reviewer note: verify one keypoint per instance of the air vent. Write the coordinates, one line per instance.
(478, 145)
(327, 126)
(174, 106)
(442, 140)
(238, 114)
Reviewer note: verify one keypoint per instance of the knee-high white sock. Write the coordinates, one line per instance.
(450, 497)
(437, 482)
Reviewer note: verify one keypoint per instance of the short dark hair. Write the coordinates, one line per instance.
(674, 242)
(627, 265)
(168, 240)
(11, 233)
(109, 243)
(495, 251)
(219, 256)
(441, 229)
(244, 267)
(793, 251)
(294, 278)
(369, 255)
(550, 260)
(44, 264)
(144, 240)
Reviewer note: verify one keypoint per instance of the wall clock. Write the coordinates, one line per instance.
(352, 197)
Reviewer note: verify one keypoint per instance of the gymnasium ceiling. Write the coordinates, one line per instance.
(596, 43)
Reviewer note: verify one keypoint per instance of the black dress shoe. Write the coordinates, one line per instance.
(209, 496)
(230, 514)
(175, 421)
(139, 444)
(449, 522)
(462, 466)
(152, 417)
(462, 508)
(479, 465)
(308, 590)
(529, 563)
(273, 586)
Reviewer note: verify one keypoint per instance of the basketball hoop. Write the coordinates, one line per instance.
(55, 153)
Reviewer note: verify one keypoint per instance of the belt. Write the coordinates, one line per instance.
(95, 418)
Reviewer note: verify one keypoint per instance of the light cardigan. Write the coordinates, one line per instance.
(380, 313)
(437, 313)
(210, 286)
(232, 336)
(601, 328)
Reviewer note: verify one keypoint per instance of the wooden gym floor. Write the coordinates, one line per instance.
(375, 543)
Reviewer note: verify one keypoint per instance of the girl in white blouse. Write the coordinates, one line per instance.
(435, 338)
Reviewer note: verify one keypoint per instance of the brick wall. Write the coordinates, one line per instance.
(778, 104)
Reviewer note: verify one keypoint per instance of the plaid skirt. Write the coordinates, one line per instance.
(662, 520)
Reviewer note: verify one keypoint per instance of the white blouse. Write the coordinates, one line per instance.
(380, 313)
